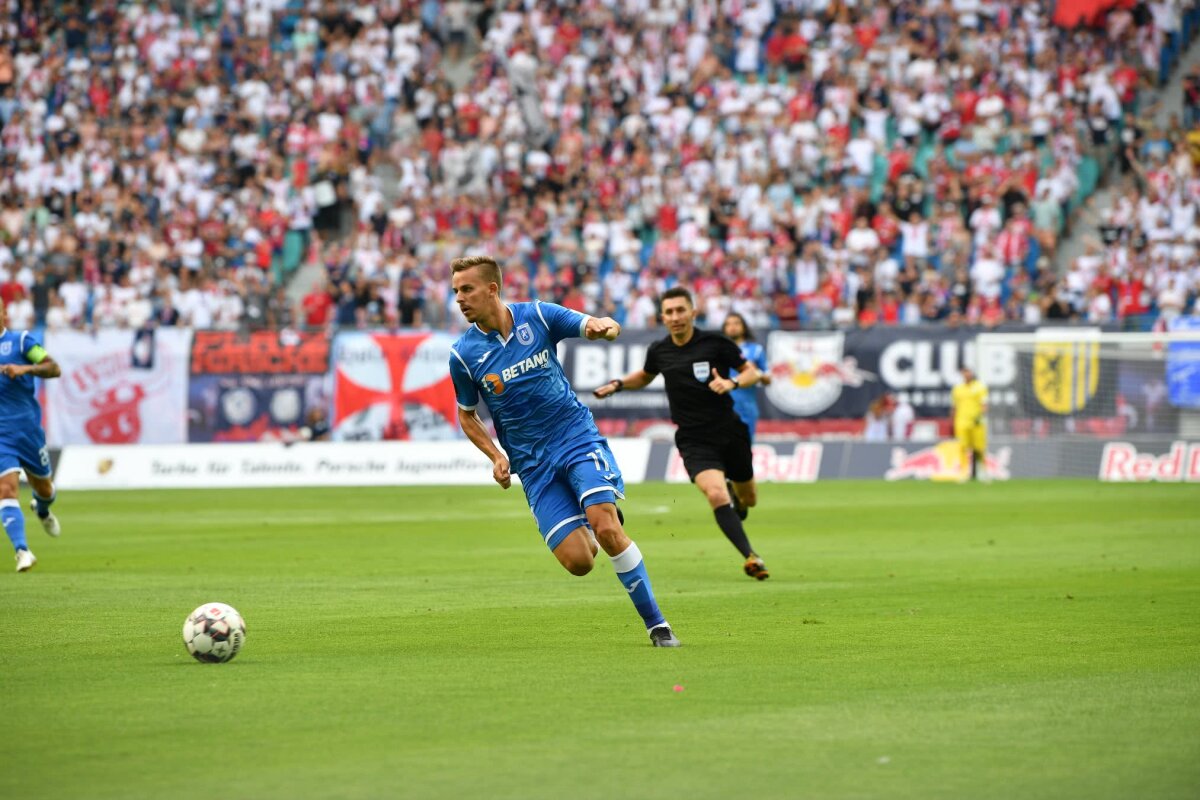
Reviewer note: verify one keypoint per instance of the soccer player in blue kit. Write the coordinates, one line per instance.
(745, 399)
(568, 472)
(22, 441)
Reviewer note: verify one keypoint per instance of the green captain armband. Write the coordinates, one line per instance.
(36, 355)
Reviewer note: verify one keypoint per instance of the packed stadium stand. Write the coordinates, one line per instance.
(808, 164)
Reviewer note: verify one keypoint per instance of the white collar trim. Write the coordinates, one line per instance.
(505, 341)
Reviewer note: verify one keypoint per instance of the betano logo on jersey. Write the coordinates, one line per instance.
(495, 384)
(492, 384)
(1066, 375)
(538, 361)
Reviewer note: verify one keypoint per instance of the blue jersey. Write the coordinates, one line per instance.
(537, 415)
(19, 409)
(22, 441)
(745, 401)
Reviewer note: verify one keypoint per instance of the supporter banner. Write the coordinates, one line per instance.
(828, 374)
(260, 352)
(393, 386)
(1140, 402)
(1183, 366)
(248, 387)
(208, 466)
(1073, 13)
(836, 374)
(1064, 378)
(118, 387)
(251, 408)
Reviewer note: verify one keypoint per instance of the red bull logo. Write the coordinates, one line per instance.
(809, 371)
(801, 465)
(1121, 462)
(944, 462)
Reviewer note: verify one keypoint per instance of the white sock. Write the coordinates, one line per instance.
(628, 559)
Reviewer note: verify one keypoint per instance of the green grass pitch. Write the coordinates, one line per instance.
(1026, 640)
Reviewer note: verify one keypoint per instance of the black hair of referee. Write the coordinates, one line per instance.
(712, 440)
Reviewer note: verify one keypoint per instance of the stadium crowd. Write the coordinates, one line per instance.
(1142, 266)
(803, 162)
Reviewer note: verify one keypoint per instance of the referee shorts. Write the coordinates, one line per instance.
(726, 448)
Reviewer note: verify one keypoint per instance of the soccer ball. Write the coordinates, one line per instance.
(214, 633)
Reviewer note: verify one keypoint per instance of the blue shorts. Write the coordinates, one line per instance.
(558, 492)
(25, 450)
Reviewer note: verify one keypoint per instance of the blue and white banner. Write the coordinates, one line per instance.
(1183, 366)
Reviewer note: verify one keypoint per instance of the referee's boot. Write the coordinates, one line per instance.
(755, 568)
(663, 636)
(741, 508)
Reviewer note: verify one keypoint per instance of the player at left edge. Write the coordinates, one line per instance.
(22, 440)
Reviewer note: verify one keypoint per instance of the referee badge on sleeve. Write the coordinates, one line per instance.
(701, 370)
(524, 334)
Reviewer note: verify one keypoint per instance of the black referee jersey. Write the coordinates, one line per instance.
(687, 371)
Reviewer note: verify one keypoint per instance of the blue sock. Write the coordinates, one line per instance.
(44, 503)
(632, 573)
(14, 523)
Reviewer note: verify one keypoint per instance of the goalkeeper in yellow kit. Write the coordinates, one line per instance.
(968, 403)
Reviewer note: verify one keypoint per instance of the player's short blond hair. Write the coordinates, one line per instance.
(488, 268)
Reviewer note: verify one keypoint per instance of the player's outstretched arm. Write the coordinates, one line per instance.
(46, 368)
(638, 379)
(749, 375)
(477, 432)
(764, 372)
(602, 328)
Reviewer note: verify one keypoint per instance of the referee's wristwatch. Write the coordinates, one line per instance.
(736, 383)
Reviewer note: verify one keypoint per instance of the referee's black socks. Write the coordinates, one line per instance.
(731, 526)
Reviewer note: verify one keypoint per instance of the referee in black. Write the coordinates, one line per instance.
(712, 440)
